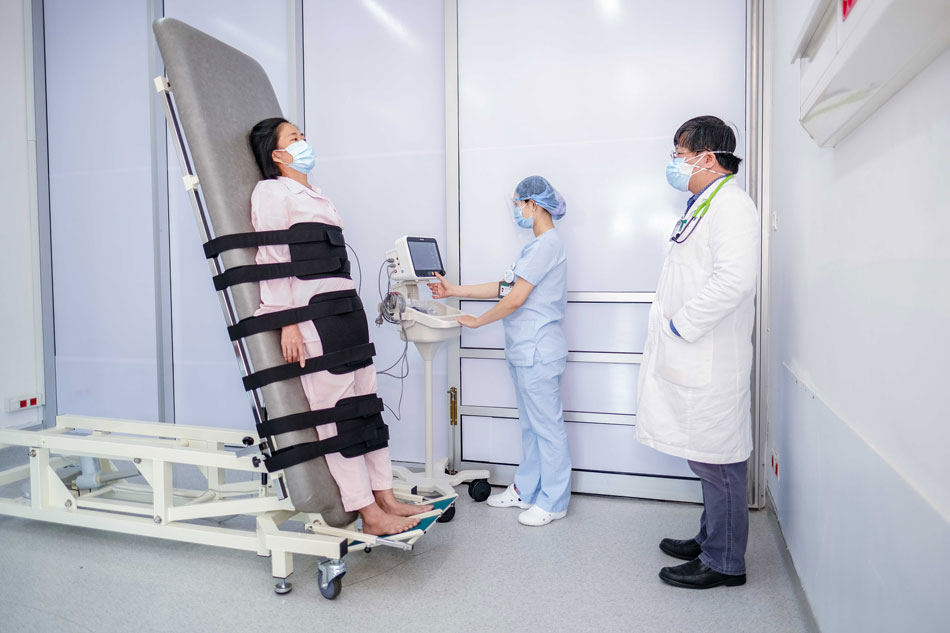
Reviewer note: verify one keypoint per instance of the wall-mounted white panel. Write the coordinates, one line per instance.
(600, 447)
(589, 327)
(21, 333)
(208, 390)
(587, 387)
(375, 100)
(98, 96)
(589, 95)
(590, 100)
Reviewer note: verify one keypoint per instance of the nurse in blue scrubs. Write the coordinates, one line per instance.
(533, 297)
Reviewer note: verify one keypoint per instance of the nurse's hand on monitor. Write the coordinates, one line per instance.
(442, 289)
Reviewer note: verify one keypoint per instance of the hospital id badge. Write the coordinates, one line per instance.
(504, 288)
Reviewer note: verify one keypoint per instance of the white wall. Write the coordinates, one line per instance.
(375, 115)
(101, 214)
(21, 370)
(860, 306)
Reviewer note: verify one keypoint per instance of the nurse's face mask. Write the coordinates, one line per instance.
(520, 220)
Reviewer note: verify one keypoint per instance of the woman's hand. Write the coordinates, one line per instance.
(468, 320)
(291, 344)
(442, 289)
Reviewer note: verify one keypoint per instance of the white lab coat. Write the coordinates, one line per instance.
(694, 391)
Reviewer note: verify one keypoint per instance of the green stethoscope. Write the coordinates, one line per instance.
(691, 221)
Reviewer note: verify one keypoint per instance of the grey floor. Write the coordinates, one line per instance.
(593, 571)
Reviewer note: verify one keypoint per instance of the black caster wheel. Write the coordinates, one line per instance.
(333, 589)
(479, 489)
(447, 516)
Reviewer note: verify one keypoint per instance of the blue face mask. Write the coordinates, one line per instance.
(678, 173)
(303, 155)
(520, 220)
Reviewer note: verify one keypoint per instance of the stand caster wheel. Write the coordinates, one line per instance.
(479, 489)
(447, 516)
(333, 588)
(283, 587)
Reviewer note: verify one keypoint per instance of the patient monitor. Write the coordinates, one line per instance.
(426, 324)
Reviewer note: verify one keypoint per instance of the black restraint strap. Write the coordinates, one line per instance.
(296, 234)
(322, 305)
(357, 355)
(322, 268)
(350, 408)
(349, 442)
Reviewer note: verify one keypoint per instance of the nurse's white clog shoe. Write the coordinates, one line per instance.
(536, 517)
(507, 499)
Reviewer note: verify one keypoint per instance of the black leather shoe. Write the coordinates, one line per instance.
(687, 549)
(697, 575)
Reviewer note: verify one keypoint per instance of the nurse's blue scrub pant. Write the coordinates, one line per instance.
(544, 475)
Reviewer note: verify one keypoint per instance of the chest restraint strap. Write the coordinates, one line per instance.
(317, 251)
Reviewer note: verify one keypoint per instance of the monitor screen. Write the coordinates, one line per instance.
(426, 260)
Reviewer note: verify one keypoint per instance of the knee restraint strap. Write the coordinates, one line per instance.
(346, 409)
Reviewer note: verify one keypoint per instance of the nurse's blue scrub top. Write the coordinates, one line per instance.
(535, 327)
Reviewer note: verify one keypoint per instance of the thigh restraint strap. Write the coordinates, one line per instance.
(349, 408)
(355, 436)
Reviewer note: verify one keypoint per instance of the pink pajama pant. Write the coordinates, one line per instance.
(358, 476)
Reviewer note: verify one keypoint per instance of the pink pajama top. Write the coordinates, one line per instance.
(276, 205)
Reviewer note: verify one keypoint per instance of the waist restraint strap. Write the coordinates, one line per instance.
(355, 436)
(330, 304)
(346, 409)
(341, 362)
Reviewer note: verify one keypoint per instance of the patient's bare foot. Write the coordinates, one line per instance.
(387, 501)
(378, 522)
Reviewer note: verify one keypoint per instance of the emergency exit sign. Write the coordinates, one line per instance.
(846, 6)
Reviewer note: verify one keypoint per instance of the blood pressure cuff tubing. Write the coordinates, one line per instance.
(360, 429)
(341, 323)
(317, 251)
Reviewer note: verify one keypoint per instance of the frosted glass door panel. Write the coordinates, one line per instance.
(208, 389)
(98, 95)
(592, 105)
(589, 327)
(601, 447)
(588, 94)
(375, 114)
(586, 387)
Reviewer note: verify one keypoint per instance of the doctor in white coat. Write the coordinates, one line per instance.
(694, 387)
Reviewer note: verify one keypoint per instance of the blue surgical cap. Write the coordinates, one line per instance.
(547, 197)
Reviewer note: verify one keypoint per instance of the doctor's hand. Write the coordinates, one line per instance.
(291, 344)
(442, 289)
(468, 321)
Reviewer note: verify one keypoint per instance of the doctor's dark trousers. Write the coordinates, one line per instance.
(724, 526)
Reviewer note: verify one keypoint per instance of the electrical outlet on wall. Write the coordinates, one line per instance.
(22, 403)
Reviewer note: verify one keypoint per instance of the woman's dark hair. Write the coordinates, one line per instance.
(263, 139)
(712, 134)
